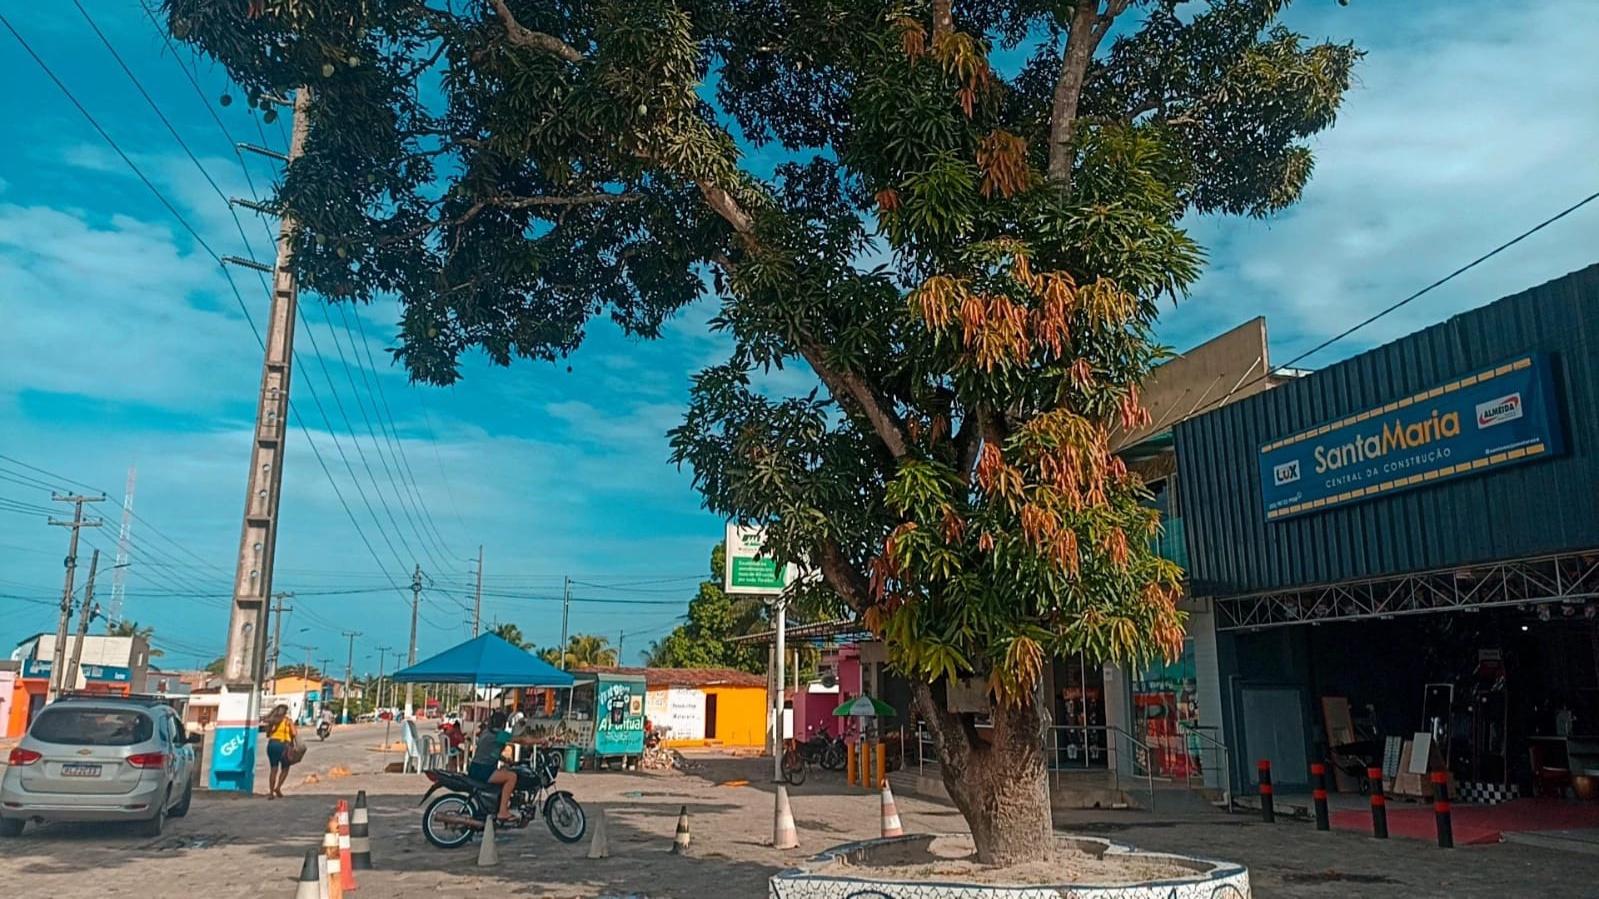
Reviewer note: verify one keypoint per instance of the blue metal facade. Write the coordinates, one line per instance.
(1545, 506)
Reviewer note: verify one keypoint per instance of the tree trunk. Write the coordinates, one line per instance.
(1000, 787)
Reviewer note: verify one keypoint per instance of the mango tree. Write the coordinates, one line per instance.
(959, 217)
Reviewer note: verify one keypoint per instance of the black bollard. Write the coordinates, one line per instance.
(1268, 814)
(1318, 775)
(1440, 810)
(1379, 805)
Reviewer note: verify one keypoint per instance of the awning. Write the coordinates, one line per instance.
(487, 660)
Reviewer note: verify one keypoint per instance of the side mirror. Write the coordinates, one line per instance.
(195, 739)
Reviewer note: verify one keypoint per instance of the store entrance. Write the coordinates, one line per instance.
(1504, 699)
(1078, 738)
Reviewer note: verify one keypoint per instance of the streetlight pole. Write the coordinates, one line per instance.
(349, 666)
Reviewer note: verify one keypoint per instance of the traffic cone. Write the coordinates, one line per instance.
(784, 836)
(321, 874)
(681, 841)
(309, 888)
(600, 845)
(891, 825)
(487, 854)
(360, 837)
(330, 848)
(346, 867)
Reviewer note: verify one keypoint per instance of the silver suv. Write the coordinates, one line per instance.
(99, 759)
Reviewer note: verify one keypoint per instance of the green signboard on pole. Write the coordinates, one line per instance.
(748, 572)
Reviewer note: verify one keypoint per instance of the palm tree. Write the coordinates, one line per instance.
(511, 634)
(589, 651)
(132, 629)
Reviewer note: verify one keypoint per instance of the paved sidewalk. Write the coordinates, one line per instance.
(250, 847)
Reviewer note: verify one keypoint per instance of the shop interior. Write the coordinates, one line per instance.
(1505, 699)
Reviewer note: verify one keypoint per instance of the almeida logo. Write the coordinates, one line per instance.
(1498, 411)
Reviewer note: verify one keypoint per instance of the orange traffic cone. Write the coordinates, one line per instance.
(891, 825)
(341, 813)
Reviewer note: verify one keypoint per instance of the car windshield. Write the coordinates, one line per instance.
(92, 727)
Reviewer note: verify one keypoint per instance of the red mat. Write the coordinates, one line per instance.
(1476, 824)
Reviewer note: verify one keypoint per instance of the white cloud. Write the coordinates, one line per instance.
(1468, 123)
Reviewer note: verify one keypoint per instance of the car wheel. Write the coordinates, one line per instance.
(11, 827)
(152, 827)
(182, 808)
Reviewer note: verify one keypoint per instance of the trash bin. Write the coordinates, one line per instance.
(570, 760)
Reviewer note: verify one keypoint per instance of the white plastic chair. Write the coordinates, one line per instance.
(413, 748)
(432, 751)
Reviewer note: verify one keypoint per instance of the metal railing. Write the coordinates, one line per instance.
(1105, 747)
(1100, 747)
(1223, 757)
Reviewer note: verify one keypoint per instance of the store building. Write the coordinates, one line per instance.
(1403, 549)
(116, 665)
(702, 706)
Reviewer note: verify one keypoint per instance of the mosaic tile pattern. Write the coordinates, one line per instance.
(1222, 880)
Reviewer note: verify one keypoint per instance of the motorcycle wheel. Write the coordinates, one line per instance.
(833, 757)
(444, 835)
(565, 818)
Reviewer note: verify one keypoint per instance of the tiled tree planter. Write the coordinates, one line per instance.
(819, 878)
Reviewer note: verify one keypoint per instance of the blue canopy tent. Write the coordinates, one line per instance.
(487, 660)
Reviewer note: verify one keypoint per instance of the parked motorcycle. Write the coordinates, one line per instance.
(451, 820)
(824, 750)
(323, 729)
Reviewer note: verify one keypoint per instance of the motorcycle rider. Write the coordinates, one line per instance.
(485, 764)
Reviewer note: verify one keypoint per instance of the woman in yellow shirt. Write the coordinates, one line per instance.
(280, 736)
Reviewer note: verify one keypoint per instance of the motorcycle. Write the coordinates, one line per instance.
(323, 729)
(451, 820)
(820, 749)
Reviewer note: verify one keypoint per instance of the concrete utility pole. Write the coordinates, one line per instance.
(119, 573)
(58, 656)
(566, 610)
(252, 583)
(349, 667)
(477, 605)
(277, 630)
(69, 680)
(410, 656)
(379, 702)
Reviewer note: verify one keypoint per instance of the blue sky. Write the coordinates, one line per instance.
(121, 342)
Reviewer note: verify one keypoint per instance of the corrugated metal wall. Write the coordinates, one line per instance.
(1532, 509)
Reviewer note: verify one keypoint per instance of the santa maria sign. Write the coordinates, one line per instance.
(747, 571)
(1506, 415)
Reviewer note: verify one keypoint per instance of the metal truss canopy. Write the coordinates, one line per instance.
(1570, 577)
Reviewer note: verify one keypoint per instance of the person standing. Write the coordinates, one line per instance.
(281, 736)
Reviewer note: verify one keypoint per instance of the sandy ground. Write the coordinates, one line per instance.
(254, 847)
(234, 847)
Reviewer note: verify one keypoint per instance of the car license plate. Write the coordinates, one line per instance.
(80, 770)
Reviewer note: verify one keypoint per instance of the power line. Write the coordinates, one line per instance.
(239, 225)
(203, 244)
(1222, 400)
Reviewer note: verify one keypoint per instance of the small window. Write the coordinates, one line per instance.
(92, 727)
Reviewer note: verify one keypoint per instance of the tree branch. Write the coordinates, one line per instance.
(842, 576)
(842, 383)
(1088, 28)
(969, 440)
(522, 36)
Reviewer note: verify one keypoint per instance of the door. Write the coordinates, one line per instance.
(710, 716)
(1273, 719)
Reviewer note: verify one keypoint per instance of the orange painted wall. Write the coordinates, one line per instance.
(740, 715)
